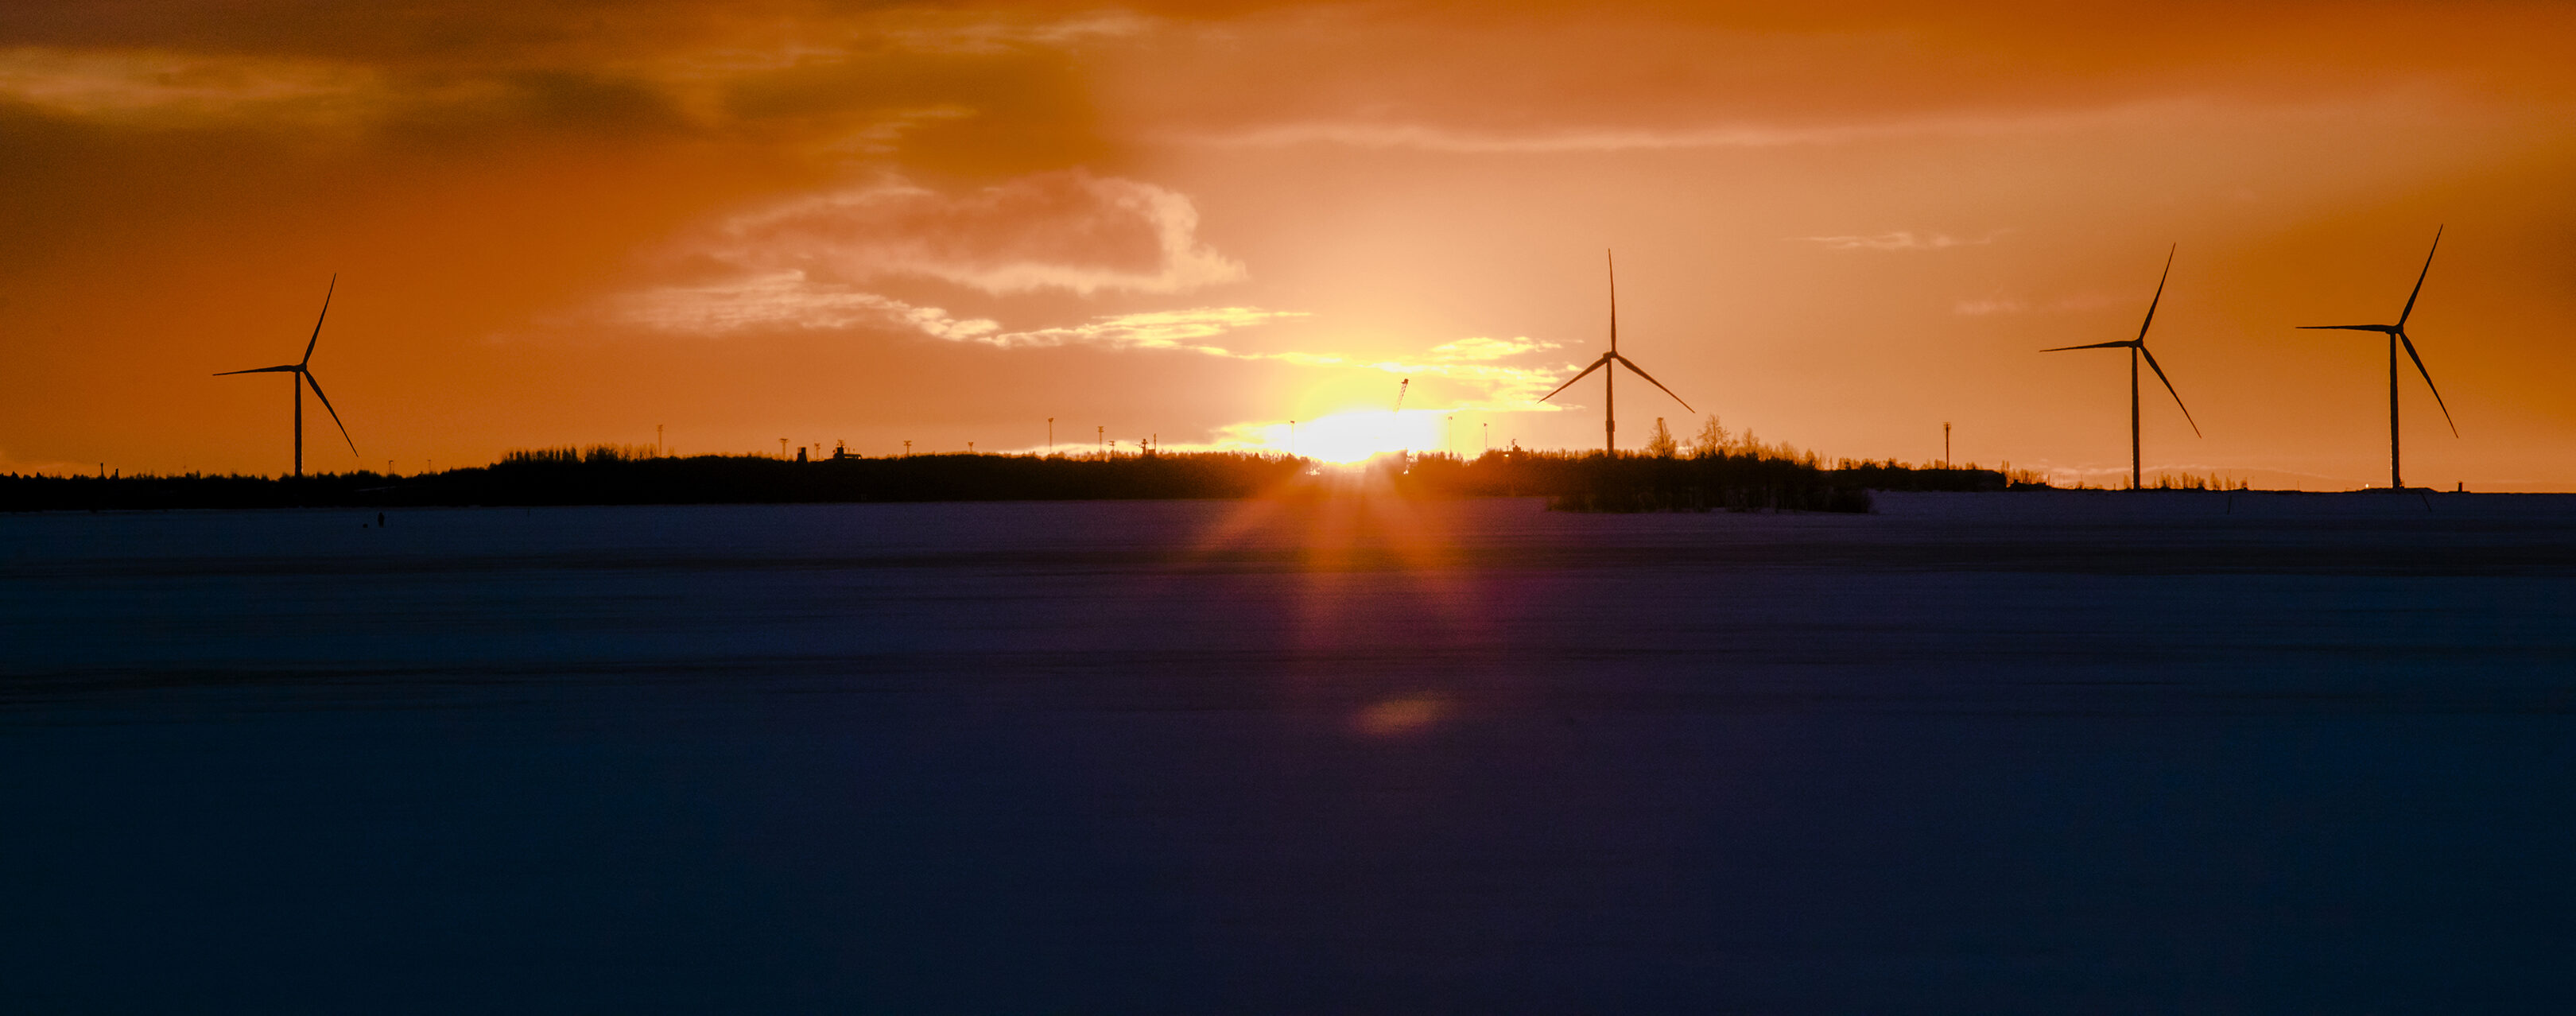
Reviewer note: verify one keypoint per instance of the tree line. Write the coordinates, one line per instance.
(1739, 474)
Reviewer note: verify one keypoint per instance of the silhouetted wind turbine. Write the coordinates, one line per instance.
(2397, 336)
(304, 376)
(1609, 381)
(2137, 347)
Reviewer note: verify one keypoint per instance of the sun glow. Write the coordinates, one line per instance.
(1349, 436)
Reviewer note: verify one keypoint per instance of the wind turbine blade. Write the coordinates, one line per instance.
(335, 414)
(2122, 344)
(2428, 380)
(2160, 293)
(2169, 388)
(2419, 278)
(1650, 379)
(317, 324)
(1587, 372)
(262, 370)
(1613, 264)
(2382, 329)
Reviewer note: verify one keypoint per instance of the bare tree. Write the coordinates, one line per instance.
(1711, 440)
(1660, 444)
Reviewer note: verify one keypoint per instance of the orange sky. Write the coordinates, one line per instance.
(567, 222)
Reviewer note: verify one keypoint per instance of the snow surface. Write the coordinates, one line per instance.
(1971, 753)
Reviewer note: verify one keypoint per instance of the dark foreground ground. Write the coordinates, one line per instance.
(1974, 753)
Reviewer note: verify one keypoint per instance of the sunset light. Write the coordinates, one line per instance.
(1297, 506)
(943, 225)
(1349, 436)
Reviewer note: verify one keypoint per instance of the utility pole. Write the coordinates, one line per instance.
(1945, 444)
(782, 447)
(1101, 435)
(970, 447)
(1050, 435)
(907, 449)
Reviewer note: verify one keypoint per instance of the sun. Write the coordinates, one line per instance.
(1352, 435)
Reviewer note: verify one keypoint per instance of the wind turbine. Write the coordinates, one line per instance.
(304, 376)
(2137, 347)
(1609, 381)
(2397, 336)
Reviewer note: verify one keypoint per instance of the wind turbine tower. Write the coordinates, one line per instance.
(301, 375)
(2137, 348)
(1609, 381)
(2396, 337)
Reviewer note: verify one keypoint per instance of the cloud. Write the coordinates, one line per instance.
(1992, 305)
(1468, 364)
(789, 299)
(1989, 306)
(974, 93)
(783, 299)
(1901, 240)
(1065, 230)
(1750, 133)
(1469, 361)
(809, 262)
(1435, 138)
(1166, 329)
(140, 84)
(1482, 348)
(977, 32)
